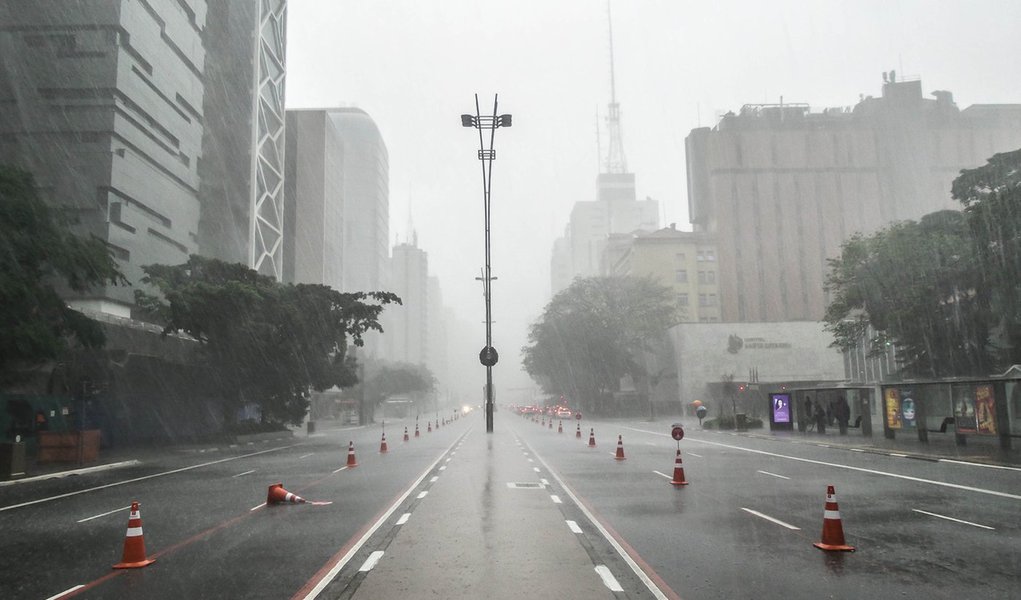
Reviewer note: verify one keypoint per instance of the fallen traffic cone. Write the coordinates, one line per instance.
(429, 428)
(416, 429)
(620, 449)
(134, 543)
(351, 461)
(278, 495)
(382, 445)
(405, 434)
(832, 529)
(577, 433)
(591, 438)
(678, 471)
(560, 426)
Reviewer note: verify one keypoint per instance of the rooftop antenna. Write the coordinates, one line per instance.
(615, 160)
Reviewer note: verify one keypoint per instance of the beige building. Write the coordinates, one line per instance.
(684, 261)
(781, 187)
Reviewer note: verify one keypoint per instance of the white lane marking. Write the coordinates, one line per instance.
(448, 460)
(240, 474)
(663, 475)
(612, 453)
(556, 499)
(955, 486)
(693, 454)
(404, 519)
(772, 474)
(771, 519)
(931, 514)
(443, 468)
(104, 514)
(340, 469)
(898, 455)
(650, 443)
(143, 478)
(652, 587)
(536, 469)
(974, 464)
(306, 455)
(608, 579)
(531, 461)
(434, 478)
(453, 453)
(856, 450)
(573, 526)
(332, 574)
(422, 495)
(823, 445)
(257, 507)
(544, 482)
(67, 591)
(62, 474)
(371, 561)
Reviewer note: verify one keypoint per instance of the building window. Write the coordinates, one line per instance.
(682, 299)
(703, 300)
(712, 300)
(699, 256)
(701, 276)
(682, 276)
(679, 257)
(710, 276)
(710, 255)
(703, 319)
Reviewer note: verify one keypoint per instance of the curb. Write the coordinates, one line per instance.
(82, 471)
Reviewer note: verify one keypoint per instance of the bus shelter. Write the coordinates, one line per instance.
(964, 406)
(861, 399)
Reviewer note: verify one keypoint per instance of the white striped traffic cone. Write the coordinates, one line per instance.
(134, 543)
(832, 528)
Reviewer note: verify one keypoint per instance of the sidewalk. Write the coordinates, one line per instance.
(474, 536)
(978, 449)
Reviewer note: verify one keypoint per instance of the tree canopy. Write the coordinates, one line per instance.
(271, 343)
(38, 251)
(594, 333)
(386, 379)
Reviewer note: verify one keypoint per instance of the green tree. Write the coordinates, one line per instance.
(39, 250)
(385, 379)
(271, 343)
(917, 285)
(991, 196)
(595, 332)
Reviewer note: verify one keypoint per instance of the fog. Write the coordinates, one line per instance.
(414, 67)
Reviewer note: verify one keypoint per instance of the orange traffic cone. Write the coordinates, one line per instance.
(678, 471)
(560, 426)
(405, 434)
(382, 445)
(832, 529)
(278, 495)
(577, 433)
(620, 449)
(429, 428)
(591, 438)
(134, 543)
(351, 461)
(551, 422)
(543, 423)
(416, 429)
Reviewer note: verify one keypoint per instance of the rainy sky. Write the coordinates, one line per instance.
(414, 66)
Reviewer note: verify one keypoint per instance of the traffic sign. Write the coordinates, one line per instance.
(677, 432)
(488, 356)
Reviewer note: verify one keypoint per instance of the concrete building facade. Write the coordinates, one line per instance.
(781, 187)
(407, 325)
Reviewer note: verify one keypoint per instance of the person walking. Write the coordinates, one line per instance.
(807, 415)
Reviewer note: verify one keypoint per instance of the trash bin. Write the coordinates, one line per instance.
(12, 460)
(741, 422)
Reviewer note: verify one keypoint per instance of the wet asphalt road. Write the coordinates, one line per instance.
(700, 540)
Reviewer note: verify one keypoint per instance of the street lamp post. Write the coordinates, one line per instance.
(488, 356)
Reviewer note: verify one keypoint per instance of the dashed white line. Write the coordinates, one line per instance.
(823, 445)
(856, 450)
(104, 514)
(404, 519)
(371, 561)
(306, 455)
(448, 460)
(544, 482)
(443, 468)
(340, 469)
(662, 474)
(536, 469)
(898, 455)
(241, 474)
(772, 474)
(931, 514)
(434, 478)
(556, 499)
(67, 591)
(608, 579)
(573, 526)
(531, 461)
(422, 494)
(693, 454)
(771, 519)
(974, 464)
(257, 507)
